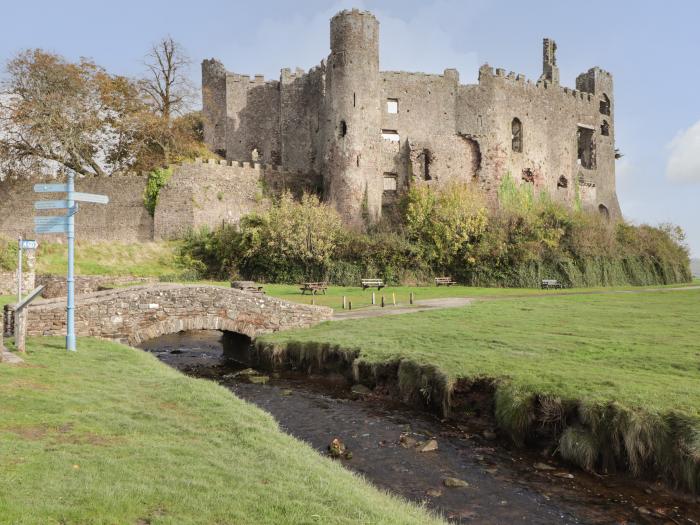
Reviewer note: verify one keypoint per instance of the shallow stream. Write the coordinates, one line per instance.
(385, 439)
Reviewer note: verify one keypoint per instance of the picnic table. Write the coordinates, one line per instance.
(314, 288)
(247, 286)
(444, 281)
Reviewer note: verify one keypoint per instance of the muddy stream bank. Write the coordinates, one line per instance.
(385, 440)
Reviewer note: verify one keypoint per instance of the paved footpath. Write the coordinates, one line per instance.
(9, 358)
(454, 302)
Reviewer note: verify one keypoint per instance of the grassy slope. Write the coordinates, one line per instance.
(108, 258)
(638, 349)
(110, 435)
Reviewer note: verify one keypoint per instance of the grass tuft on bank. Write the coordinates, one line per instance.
(111, 435)
(616, 374)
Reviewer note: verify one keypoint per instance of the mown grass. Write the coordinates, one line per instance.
(111, 435)
(628, 364)
(150, 259)
(7, 299)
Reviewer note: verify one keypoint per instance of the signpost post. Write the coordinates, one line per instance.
(65, 224)
(24, 244)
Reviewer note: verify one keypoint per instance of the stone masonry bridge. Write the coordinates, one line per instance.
(136, 314)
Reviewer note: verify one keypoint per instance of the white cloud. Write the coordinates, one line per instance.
(684, 159)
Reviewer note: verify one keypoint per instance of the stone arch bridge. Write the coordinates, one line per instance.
(136, 314)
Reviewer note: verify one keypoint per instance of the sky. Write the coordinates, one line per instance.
(651, 48)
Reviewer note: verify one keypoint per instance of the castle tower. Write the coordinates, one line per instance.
(352, 181)
(214, 105)
(550, 71)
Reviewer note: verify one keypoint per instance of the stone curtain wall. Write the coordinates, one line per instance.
(133, 315)
(210, 193)
(124, 219)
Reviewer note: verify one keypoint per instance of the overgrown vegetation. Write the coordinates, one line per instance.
(453, 231)
(8, 254)
(613, 390)
(143, 443)
(157, 178)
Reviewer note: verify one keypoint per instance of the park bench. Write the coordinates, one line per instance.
(444, 281)
(551, 283)
(314, 288)
(247, 286)
(372, 283)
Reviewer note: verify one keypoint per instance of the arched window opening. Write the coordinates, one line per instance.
(605, 128)
(516, 128)
(586, 147)
(563, 182)
(605, 105)
(425, 160)
(604, 211)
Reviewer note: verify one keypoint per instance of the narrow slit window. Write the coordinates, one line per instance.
(392, 105)
(516, 128)
(605, 128)
(343, 128)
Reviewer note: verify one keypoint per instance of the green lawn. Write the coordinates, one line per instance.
(613, 377)
(150, 259)
(111, 435)
(7, 299)
(641, 349)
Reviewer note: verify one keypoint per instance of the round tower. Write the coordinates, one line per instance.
(351, 179)
(214, 105)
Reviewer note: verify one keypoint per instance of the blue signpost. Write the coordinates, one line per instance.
(65, 224)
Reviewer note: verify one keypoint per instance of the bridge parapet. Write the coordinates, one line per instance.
(136, 314)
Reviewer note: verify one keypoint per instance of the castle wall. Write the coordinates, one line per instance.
(124, 219)
(207, 194)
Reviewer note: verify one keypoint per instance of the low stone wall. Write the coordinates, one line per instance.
(139, 313)
(8, 280)
(55, 285)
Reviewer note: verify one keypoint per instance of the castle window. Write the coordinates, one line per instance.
(563, 182)
(605, 128)
(516, 129)
(605, 105)
(390, 182)
(392, 105)
(528, 176)
(586, 147)
(354, 100)
(425, 158)
(390, 134)
(604, 211)
(343, 128)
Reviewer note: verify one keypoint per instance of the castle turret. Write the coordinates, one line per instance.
(352, 181)
(214, 105)
(550, 71)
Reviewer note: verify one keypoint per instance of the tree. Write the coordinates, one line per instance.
(55, 114)
(168, 91)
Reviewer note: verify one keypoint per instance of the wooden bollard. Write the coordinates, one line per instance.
(2, 332)
(20, 330)
(393, 298)
(345, 302)
(349, 305)
(374, 299)
(382, 301)
(410, 298)
(313, 299)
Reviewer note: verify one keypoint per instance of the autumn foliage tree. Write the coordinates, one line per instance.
(56, 114)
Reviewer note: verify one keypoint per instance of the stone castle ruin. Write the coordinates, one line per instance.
(369, 134)
(361, 137)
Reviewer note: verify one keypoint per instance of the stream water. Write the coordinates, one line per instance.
(505, 485)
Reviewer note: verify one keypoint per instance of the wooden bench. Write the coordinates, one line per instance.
(551, 283)
(247, 286)
(372, 283)
(444, 281)
(314, 288)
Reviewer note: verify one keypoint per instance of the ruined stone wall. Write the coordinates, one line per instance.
(124, 219)
(210, 193)
(55, 285)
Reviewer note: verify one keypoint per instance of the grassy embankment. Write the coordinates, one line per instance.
(111, 435)
(150, 259)
(612, 377)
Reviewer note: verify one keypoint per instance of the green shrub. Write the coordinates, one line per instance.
(156, 180)
(8, 254)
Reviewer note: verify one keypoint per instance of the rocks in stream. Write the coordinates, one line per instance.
(455, 483)
(337, 449)
(249, 374)
(543, 466)
(360, 390)
(430, 446)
